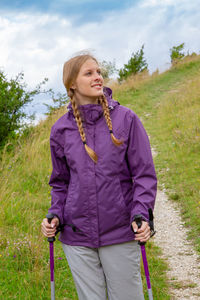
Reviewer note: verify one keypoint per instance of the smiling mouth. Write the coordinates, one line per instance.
(97, 85)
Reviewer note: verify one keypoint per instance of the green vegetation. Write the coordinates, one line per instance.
(135, 65)
(25, 199)
(13, 99)
(168, 104)
(176, 54)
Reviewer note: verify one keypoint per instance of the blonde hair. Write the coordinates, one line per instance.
(70, 72)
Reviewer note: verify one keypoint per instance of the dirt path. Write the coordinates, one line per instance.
(171, 237)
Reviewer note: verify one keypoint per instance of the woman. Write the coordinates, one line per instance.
(103, 177)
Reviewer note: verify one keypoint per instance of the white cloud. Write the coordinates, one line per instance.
(39, 44)
(36, 44)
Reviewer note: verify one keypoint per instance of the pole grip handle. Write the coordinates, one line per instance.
(50, 218)
(138, 220)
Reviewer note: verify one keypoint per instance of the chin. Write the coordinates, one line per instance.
(99, 93)
(95, 95)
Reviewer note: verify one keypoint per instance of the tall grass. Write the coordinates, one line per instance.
(169, 105)
(176, 132)
(25, 199)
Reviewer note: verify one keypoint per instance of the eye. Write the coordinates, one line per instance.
(88, 73)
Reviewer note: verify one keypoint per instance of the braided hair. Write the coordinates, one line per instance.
(70, 72)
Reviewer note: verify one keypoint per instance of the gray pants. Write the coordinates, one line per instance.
(112, 270)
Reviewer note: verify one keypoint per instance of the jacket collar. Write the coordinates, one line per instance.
(90, 113)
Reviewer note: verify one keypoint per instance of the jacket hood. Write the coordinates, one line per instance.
(90, 113)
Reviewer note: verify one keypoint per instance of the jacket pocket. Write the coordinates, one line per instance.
(68, 203)
(120, 198)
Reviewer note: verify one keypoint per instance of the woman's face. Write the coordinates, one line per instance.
(89, 83)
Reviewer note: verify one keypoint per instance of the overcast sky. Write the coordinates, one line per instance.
(37, 37)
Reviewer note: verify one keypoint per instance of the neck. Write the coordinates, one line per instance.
(84, 101)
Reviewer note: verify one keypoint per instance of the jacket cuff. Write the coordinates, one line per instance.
(133, 218)
(56, 214)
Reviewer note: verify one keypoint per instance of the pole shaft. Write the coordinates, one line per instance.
(52, 270)
(146, 269)
(52, 290)
(150, 294)
(51, 260)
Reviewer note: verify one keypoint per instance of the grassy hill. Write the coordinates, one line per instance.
(169, 106)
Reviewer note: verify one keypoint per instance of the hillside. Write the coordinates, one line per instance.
(169, 106)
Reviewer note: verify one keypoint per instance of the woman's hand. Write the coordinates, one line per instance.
(49, 230)
(143, 233)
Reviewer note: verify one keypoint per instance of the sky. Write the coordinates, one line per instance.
(37, 37)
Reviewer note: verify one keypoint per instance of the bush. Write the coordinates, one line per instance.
(136, 64)
(13, 99)
(176, 54)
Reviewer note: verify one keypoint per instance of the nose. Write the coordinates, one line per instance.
(97, 76)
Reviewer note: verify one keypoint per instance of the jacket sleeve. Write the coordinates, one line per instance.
(60, 177)
(141, 166)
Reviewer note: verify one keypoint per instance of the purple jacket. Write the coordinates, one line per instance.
(97, 202)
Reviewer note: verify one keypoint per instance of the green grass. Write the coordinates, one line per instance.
(157, 271)
(169, 107)
(25, 199)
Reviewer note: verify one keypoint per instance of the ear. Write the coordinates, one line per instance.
(73, 86)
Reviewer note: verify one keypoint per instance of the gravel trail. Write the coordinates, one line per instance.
(183, 261)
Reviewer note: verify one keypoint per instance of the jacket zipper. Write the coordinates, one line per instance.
(96, 185)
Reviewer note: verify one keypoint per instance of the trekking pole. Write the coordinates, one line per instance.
(51, 241)
(138, 220)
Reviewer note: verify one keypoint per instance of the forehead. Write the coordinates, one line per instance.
(89, 64)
